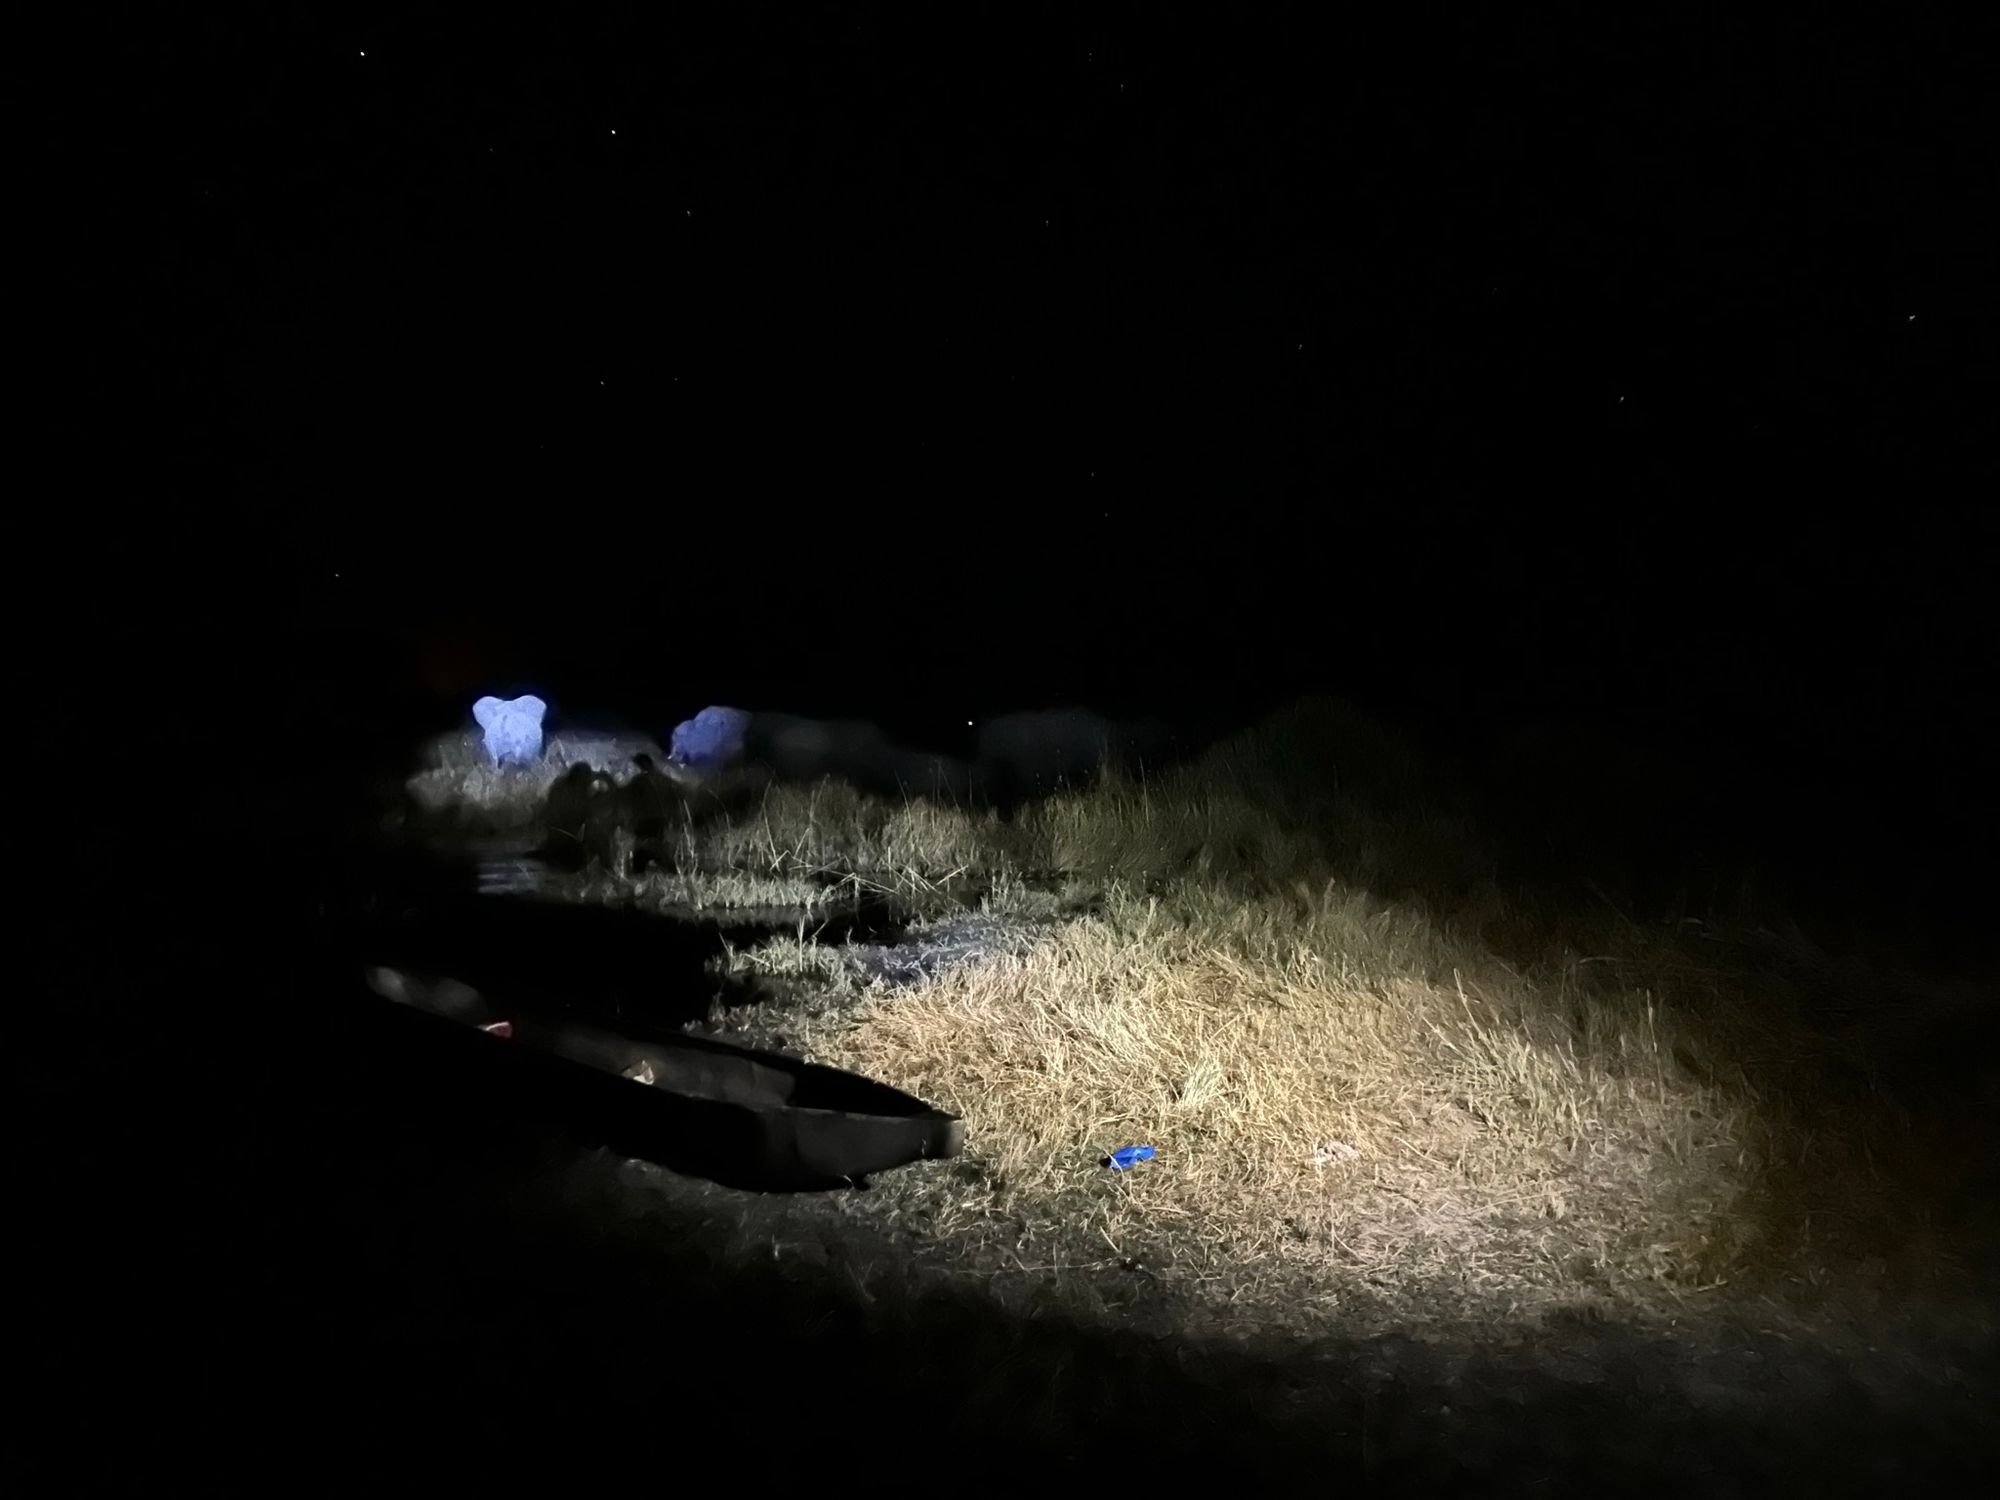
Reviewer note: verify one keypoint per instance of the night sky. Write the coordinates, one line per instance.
(852, 358)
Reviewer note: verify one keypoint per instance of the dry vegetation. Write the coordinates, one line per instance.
(1383, 1091)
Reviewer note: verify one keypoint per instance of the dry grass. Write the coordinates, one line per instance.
(457, 776)
(831, 829)
(1347, 1106)
(1380, 1087)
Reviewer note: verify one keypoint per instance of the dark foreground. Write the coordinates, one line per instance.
(291, 1253)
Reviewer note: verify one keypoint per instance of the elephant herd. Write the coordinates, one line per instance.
(1014, 758)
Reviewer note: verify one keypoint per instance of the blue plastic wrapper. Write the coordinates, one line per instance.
(1124, 1156)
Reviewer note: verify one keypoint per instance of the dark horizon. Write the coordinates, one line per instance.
(858, 366)
(1628, 371)
(1631, 378)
